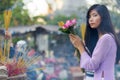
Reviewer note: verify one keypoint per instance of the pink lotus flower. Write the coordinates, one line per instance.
(69, 23)
(73, 21)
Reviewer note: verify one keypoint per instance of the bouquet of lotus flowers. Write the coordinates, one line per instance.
(68, 28)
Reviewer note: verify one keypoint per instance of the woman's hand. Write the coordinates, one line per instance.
(77, 42)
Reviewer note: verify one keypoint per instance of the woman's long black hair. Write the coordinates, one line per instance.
(91, 35)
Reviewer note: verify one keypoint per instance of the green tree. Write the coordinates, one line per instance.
(6, 4)
(19, 15)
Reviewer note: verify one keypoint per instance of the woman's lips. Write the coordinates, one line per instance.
(91, 23)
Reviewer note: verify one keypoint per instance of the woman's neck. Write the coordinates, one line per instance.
(100, 35)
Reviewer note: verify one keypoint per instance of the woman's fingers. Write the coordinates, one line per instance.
(75, 37)
(72, 38)
(72, 35)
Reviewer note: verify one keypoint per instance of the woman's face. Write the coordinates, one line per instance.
(94, 19)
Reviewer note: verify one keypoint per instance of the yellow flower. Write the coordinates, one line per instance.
(61, 23)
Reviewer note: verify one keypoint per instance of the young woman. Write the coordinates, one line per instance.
(101, 41)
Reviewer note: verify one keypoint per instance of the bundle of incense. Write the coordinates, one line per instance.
(20, 63)
(31, 61)
(6, 50)
(82, 30)
(1, 51)
(7, 17)
(34, 59)
(23, 63)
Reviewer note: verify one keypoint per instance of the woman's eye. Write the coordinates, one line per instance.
(95, 15)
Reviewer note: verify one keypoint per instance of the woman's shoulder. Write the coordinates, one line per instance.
(107, 37)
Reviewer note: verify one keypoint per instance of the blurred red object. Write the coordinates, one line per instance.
(14, 70)
(31, 52)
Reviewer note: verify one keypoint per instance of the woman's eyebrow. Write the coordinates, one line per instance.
(93, 13)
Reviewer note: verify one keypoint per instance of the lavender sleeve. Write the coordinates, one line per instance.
(101, 50)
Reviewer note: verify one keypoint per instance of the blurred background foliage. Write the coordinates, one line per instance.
(19, 15)
(53, 20)
(61, 17)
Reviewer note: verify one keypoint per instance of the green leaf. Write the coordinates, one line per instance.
(67, 31)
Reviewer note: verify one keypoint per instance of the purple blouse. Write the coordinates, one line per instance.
(103, 58)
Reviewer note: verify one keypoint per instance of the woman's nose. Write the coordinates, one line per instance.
(90, 19)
